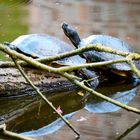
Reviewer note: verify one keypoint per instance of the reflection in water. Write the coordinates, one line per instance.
(128, 130)
(104, 106)
(37, 119)
(35, 114)
(56, 125)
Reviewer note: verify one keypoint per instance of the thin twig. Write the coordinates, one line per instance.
(133, 67)
(89, 47)
(12, 134)
(83, 86)
(97, 47)
(33, 62)
(128, 131)
(43, 97)
(90, 65)
(96, 64)
(55, 70)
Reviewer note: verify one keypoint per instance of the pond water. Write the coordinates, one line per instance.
(30, 116)
(93, 118)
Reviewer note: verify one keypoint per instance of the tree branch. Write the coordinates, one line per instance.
(128, 131)
(133, 67)
(43, 97)
(97, 47)
(66, 75)
(90, 65)
(81, 84)
(12, 134)
(70, 68)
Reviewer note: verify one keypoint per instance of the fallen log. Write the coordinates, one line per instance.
(13, 84)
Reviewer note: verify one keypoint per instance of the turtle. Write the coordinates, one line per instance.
(121, 69)
(43, 45)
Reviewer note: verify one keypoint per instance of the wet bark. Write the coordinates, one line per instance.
(13, 84)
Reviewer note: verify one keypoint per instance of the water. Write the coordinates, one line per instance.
(93, 117)
(89, 116)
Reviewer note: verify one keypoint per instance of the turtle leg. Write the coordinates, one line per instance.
(91, 78)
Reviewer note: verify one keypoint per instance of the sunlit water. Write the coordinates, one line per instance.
(95, 119)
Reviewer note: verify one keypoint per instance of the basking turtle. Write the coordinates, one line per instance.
(41, 45)
(95, 56)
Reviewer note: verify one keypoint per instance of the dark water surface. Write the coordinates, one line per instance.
(93, 118)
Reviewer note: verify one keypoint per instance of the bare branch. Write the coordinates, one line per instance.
(97, 47)
(66, 75)
(12, 134)
(126, 107)
(43, 97)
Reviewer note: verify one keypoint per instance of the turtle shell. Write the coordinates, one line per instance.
(110, 42)
(41, 45)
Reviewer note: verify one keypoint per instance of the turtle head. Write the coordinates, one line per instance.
(72, 34)
(9, 45)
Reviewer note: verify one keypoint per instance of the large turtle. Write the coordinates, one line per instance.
(42, 45)
(94, 56)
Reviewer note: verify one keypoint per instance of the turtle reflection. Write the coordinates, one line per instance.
(104, 107)
(126, 95)
(54, 126)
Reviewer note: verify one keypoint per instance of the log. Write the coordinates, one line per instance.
(13, 84)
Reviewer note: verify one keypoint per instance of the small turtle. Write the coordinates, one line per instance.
(42, 45)
(95, 56)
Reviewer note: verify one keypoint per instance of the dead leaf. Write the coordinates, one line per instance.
(80, 93)
(58, 110)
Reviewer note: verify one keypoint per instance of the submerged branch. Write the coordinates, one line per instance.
(12, 134)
